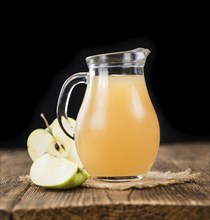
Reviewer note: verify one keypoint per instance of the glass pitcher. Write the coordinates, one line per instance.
(117, 131)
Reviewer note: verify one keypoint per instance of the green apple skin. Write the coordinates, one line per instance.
(54, 141)
(80, 178)
(52, 172)
(77, 179)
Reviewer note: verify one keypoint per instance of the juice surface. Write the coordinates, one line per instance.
(117, 130)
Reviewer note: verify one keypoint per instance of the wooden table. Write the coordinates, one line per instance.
(180, 201)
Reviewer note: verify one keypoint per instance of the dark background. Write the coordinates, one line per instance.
(40, 52)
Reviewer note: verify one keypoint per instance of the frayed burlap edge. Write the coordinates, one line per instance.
(152, 179)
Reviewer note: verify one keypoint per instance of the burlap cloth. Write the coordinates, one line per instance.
(152, 179)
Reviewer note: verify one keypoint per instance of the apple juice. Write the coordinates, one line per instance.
(117, 130)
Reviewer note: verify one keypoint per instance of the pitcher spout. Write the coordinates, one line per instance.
(140, 55)
(135, 57)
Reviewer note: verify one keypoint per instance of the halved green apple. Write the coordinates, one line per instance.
(63, 139)
(68, 125)
(57, 173)
(39, 141)
(54, 141)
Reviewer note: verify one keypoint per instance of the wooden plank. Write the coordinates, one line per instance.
(181, 201)
(13, 164)
(107, 204)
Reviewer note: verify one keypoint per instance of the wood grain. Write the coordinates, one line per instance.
(179, 201)
(13, 164)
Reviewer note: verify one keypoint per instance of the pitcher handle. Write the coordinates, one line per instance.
(63, 101)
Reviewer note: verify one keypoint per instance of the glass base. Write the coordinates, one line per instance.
(120, 178)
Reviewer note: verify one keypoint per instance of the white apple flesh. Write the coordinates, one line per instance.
(54, 141)
(65, 140)
(56, 173)
(68, 125)
(39, 141)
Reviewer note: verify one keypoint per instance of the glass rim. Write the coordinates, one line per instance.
(131, 57)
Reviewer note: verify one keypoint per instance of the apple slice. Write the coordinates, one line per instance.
(67, 150)
(54, 141)
(56, 173)
(41, 141)
(38, 142)
(64, 140)
(69, 126)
